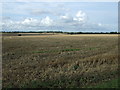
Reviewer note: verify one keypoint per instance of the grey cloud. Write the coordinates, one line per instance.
(6, 17)
(46, 12)
(40, 12)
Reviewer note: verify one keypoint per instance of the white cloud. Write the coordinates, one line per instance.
(80, 16)
(25, 24)
(47, 21)
(99, 24)
(66, 18)
(65, 23)
(29, 21)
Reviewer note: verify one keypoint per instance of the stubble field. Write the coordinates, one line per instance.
(59, 60)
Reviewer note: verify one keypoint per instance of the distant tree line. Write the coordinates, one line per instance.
(93, 32)
(32, 32)
(61, 32)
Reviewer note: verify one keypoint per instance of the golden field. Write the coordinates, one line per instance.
(59, 60)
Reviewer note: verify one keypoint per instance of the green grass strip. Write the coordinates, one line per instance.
(65, 50)
(109, 84)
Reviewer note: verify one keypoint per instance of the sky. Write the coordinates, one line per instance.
(60, 16)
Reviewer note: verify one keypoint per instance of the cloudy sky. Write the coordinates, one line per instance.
(60, 16)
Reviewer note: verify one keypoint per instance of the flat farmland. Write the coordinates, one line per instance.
(59, 60)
